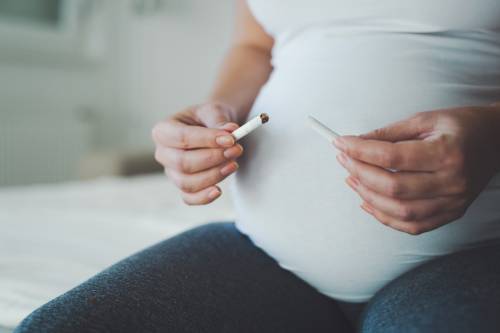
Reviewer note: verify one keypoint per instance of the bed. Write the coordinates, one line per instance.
(53, 237)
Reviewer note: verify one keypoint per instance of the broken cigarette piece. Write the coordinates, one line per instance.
(322, 129)
(250, 126)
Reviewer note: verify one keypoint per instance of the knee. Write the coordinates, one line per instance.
(209, 236)
(429, 316)
(29, 325)
(440, 296)
(216, 229)
(41, 321)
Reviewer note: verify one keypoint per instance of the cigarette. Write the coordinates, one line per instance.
(250, 126)
(321, 129)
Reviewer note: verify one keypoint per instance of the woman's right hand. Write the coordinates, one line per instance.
(197, 150)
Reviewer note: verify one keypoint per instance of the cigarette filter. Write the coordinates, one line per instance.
(250, 126)
(321, 129)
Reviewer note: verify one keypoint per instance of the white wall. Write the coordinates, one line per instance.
(169, 61)
(155, 65)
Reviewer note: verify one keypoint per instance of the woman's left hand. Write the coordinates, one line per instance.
(424, 172)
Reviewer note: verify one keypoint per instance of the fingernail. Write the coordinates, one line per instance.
(225, 140)
(353, 183)
(367, 208)
(339, 143)
(229, 169)
(233, 152)
(214, 193)
(229, 127)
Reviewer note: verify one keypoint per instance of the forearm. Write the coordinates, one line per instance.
(244, 71)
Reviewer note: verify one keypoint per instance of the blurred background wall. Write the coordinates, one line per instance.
(86, 81)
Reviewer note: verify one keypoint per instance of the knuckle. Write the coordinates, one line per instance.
(393, 188)
(191, 201)
(406, 213)
(182, 138)
(187, 201)
(353, 167)
(460, 186)
(178, 162)
(351, 151)
(158, 156)
(366, 197)
(384, 221)
(389, 159)
(181, 182)
(214, 177)
(173, 176)
(380, 132)
(381, 219)
(454, 159)
(186, 186)
(222, 109)
(181, 164)
(213, 157)
(217, 107)
(155, 133)
(414, 230)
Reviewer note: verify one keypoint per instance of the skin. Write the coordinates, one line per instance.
(195, 145)
(423, 172)
(413, 176)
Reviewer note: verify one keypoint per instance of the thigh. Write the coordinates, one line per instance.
(456, 293)
(209, 279)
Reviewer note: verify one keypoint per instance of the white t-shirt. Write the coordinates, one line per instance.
(358, 65)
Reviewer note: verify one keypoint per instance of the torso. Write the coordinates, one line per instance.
(358, 65)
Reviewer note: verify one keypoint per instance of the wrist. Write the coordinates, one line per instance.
(238, 112)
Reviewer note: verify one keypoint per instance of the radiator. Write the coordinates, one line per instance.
(38, 146)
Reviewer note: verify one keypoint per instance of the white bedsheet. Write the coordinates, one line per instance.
(53, 237)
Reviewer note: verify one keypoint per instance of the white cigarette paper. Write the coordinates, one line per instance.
(250, 126)
(321, 129)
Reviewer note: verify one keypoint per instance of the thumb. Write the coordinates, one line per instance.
(216, 115)
(403, 130)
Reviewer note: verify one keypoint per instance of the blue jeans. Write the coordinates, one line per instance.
(213, 279)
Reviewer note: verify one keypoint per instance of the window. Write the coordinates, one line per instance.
(31, 11)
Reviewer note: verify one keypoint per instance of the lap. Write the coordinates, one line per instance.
(209, 279)
(456, 293)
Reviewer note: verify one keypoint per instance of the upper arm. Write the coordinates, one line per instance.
(248, 31)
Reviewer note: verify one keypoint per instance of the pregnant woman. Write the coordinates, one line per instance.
(394, 227)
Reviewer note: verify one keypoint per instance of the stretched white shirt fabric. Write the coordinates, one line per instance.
(356, 66)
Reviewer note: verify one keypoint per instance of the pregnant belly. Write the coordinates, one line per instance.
(290, 194)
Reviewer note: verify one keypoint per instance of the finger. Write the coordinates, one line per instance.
(175, 134)
(412, 227)
(230, 127)
(193, 161)
(216, 115)
(413, 128)
(202, 197)
(405, 210)
(201, 180)
(404, 156)
(402, 184)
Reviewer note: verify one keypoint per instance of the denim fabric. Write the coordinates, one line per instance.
(458, 293)
(213, 279)
(209, 279)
